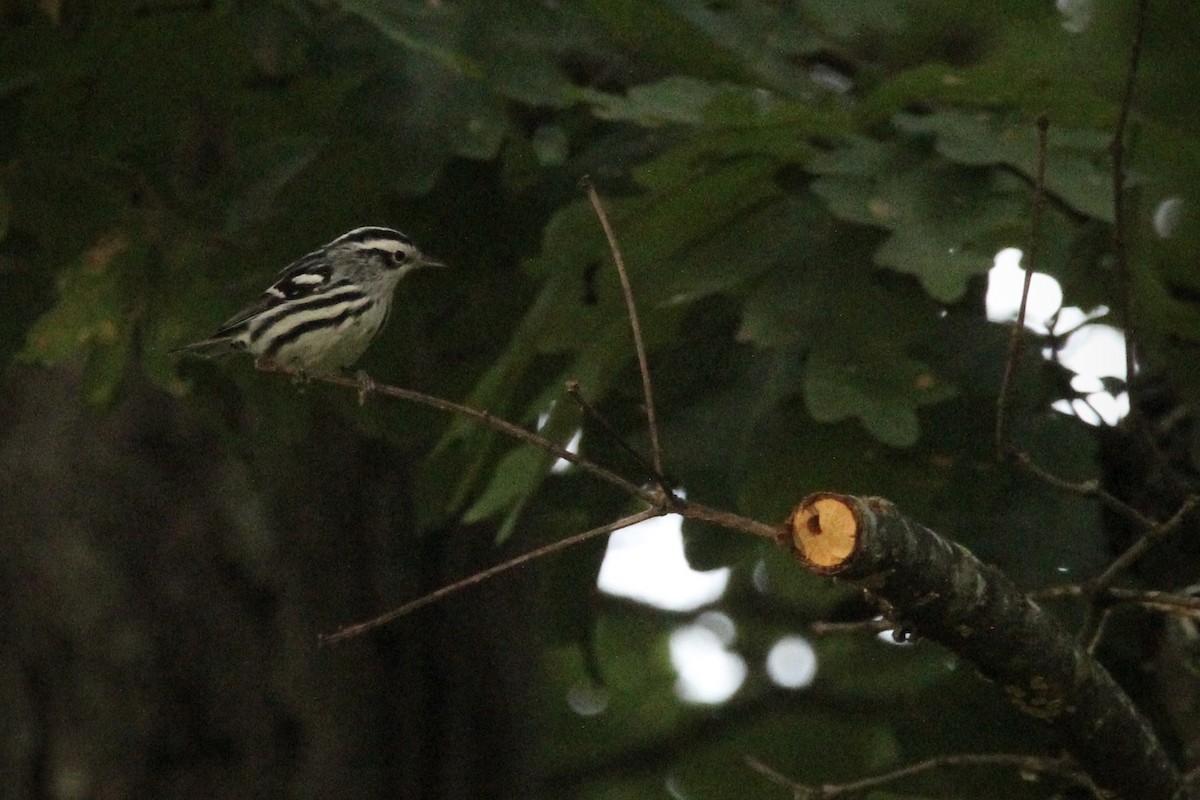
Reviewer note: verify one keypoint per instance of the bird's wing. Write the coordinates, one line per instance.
(307, 276)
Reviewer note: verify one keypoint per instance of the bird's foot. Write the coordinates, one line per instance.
(366, 386)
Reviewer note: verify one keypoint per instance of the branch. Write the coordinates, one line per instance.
(941, 591)
(665, 504)
(873, 625)
(638, 343)
(1016, 341)
(660, 502)
(1058, 767)
(1178, 605)
(358, 629)
(576, 394)
(1116, 150)
(1139, 547)
(367, 387)
(669, 503)
(1089, 488)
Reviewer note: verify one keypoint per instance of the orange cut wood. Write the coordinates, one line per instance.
(825, 532)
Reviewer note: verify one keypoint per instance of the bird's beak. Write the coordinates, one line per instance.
(428, 261)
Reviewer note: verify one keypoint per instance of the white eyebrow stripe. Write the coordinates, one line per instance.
(308, 277)
(376, 244)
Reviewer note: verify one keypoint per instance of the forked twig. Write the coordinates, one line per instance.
(1178, 605)
(357, 629)
(660, 502)
(1151, 529)
(576, 394)
(1136, 550)
(638, 342)
(1061, 767)
(1089, 488)
(1016, 341)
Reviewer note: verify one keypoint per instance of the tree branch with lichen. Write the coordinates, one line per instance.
(942, 592)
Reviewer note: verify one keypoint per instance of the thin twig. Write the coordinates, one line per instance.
(722, 519)
(1152, 531)
(1179, 605)
(1016, 340)
(359, 628)
(1089, 488)
(1099, 589)
(1116, 150)
(638, 343)
(670, 503)
(1136, 550)
(576, 394)
(367, 388)
(778, 778)
(1092, 630)
(1059, 767)
(822, 628)
(661, 502)
(664, 505)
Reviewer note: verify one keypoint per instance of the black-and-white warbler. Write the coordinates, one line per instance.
(322, 312)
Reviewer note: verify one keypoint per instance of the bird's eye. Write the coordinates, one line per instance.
(399, 256)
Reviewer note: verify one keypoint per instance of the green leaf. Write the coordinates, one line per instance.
(517, 474)
(677, 100)
(25, 295)
(946, 222)
(660, 32)
(522, 470)
(877, 383)
(550, 145)
(1077, 168)
(418, 27)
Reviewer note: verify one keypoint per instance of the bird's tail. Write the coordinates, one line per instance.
(211, 348)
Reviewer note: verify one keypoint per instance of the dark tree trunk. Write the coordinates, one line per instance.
(162, 598)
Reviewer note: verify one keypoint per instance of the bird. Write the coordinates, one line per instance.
(323, 310)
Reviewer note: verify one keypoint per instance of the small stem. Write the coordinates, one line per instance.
(638, 342)
(1179, 605)
(576, 394)
(820, 628)
(359, 628)
(722, 519)
(1016, 341)
(1059, 767)
(484, 417)
(1088, 488)
(661, 501)
(1116, 149)
(1093, 629)
(1139, 548)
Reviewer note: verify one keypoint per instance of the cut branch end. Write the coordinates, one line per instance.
(823, 531)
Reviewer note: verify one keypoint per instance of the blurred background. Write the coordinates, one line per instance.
(822, 205)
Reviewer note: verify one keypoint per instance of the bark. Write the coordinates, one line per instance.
(938, 589)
